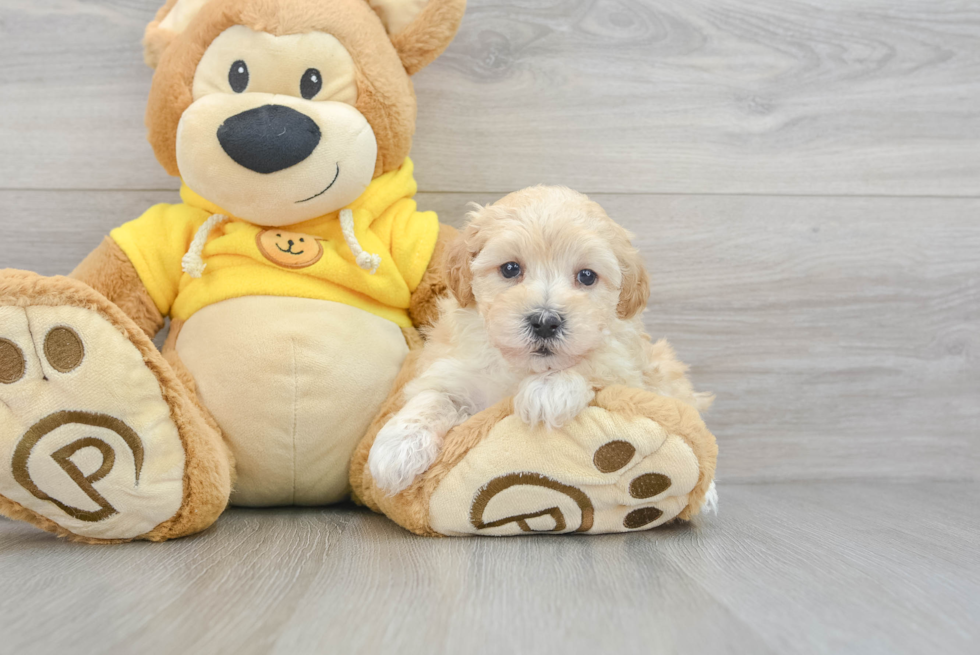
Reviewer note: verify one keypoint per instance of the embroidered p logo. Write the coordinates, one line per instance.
(62, 457)
(497, 487)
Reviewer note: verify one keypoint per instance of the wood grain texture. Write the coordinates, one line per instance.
(841, 335)
(784, 568)
(676, 96)
(74, 89)
(707, 96)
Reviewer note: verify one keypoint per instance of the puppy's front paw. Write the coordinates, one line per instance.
(401, 452)
(552, 398)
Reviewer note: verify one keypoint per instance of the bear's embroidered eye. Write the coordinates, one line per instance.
(510, 270)
(311, 83)
(587, 277)
(238, 76)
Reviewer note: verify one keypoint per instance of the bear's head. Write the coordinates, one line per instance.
(279, 111)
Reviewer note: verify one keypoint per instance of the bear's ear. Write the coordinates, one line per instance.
(172, 19)
(419, 29)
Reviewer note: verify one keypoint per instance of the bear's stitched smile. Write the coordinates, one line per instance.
(289, 250)
(334, 181)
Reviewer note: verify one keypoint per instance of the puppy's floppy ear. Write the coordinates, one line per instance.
(419, 29)
(456, 268)
(635, 289)
(172, 19)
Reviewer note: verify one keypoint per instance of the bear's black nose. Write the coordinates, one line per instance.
(269, 138)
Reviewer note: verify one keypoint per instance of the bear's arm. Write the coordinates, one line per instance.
(138, 266)
(424, 306)
(108, 270)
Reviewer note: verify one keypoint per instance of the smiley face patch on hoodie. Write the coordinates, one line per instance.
(289, 249)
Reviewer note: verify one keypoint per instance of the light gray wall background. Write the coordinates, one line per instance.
(803, 178)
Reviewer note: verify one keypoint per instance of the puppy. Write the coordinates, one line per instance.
(547, 293)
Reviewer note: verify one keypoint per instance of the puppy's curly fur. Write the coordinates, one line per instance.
(547, 293)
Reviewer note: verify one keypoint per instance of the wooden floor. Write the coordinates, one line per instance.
(820, 567)
(803, 177)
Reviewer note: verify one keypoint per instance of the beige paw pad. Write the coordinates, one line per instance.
(602, 473)
(86, 438)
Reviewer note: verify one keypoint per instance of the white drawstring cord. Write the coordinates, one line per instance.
(192, 263)
(365, 260)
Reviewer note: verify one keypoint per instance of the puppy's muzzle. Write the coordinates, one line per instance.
(270, 138)
(545, 325)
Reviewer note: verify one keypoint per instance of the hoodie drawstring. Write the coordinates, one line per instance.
(365, 260)
(193, 264)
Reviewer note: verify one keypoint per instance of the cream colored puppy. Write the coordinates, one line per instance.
(547, 296)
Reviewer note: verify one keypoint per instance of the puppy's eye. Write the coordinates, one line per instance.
(586, 277)
(238, 76)
(510, 269)
(311, 83)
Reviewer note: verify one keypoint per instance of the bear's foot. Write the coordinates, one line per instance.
(94, 426)
(632, 461)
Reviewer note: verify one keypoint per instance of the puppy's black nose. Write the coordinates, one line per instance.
(545, 325)
(269, 138)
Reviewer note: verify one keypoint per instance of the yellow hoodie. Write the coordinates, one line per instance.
(307, 260)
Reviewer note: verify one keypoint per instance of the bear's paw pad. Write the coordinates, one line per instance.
(86, 438)
(603, 472)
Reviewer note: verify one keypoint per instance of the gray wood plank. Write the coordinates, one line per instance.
(73, 90)
(50, 232)
(839, 334)
(729, 96)
(787, 97)
(846, 568)
(784, 568)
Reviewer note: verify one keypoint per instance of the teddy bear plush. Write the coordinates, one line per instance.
(295, 272)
